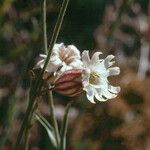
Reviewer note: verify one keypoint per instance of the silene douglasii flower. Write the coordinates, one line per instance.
(74, 74)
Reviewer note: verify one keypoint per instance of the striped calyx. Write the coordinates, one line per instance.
(70, 83)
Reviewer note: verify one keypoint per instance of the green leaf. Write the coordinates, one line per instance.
(48, 128)
(64, 128)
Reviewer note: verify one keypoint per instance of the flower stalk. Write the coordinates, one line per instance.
(63, 131)
(45, 27)
(54, 121)
(25, 123)
(37, 85)
(53, 40)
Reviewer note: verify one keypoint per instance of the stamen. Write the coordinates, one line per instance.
(94, 76)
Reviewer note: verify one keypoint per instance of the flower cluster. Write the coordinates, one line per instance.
(72, 73)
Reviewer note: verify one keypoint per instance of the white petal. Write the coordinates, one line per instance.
(76, 64)
(55, 60)
(43, 55)
(90, 93)
(99, 67)
(53, 67)
(85, 77)
(114, 89)
(57, 48)
(98, 95)
(74, 51)
(40, 63)
(86, 58)
(68, 67)
(114, 71)
(108, 62)
(107, 94)
(95, 58)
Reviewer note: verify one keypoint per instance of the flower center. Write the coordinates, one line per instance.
(94, 77)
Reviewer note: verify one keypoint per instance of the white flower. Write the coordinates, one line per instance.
(62, 59)
(95, 74)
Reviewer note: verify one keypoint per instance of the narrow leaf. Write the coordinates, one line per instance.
(48, 128)
(64, 128)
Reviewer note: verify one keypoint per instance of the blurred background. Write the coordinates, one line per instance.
(119, 27)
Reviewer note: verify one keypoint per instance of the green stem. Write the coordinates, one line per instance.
(44, 27)
(53, 38)
(35, 89)
(28, 127)
(50, 96)
(54, 121)
(27, 137)
(24, 124)
(64, 127)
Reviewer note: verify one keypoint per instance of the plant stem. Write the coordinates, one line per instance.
(24, 124)
(27, 130)
(36, 87)
(53, 38)
(50, 96)
(64, 127)
(27, 137)
(54, 121)
(44, 27)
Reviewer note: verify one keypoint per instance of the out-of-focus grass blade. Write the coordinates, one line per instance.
(48, 128)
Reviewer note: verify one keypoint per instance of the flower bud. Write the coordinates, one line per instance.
(70, 83)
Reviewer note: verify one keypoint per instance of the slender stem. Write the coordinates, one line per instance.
(58, 23)
(28, 128)
(64, 127)
(27, 137)
(35, 89)
(50, 96)
(44, 27)
(53, 38)
(54, 121)
(24, 124)
(46, 90)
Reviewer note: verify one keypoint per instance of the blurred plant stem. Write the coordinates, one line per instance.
(37, 84)
(63, 131)
(54, 121)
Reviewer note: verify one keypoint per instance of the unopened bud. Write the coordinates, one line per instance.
(70, 83)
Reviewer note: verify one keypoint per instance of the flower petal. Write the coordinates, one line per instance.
(40, 63)
(95, 58)
(43, 55)
(114, 89)
(86, 58)
(76, 64)
(108, 62)
(107, 94)
(53, 67)
(98, 95)
(74, 51)
(57, 48)
(89, 93)
(114, 71)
